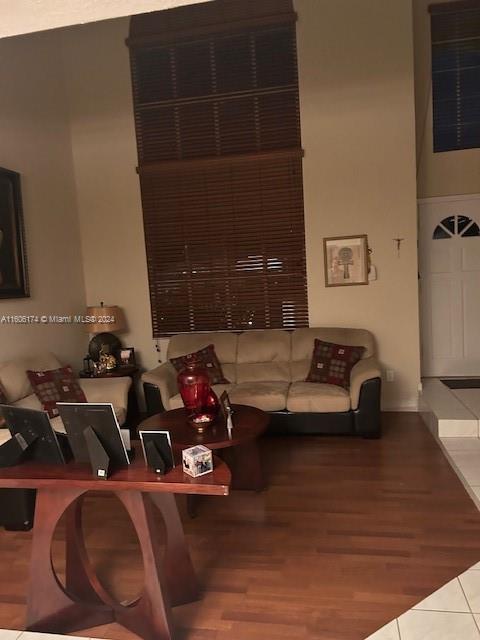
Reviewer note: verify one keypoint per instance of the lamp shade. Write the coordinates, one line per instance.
(106, 319)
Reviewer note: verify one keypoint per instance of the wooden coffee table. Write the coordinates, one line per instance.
(240, 451)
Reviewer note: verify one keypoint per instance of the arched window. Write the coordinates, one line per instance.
(456, 226)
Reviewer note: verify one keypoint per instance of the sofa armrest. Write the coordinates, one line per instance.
(164, 378)
(364, 370)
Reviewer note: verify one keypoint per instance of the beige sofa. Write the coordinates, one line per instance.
(15, 383)
(267, 369)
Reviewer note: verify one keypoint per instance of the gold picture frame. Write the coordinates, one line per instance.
(346, 260)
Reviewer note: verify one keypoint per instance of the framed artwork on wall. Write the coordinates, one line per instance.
(13, 259)
(346, 260)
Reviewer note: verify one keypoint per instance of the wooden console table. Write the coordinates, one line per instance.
(84, 603)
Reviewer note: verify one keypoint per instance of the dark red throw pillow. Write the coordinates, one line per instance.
(332, 363)
(3, 396)
(56, 385)
(208, 358)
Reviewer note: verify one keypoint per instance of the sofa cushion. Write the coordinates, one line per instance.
(332, 363)
(225, 345)
(317, 397)
(303, 344)
(268, 396)
(55, 385)
(112, 390)
(263, 356)
(208, 359)
(13, 377)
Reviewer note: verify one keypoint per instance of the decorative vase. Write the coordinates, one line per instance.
(198, 397)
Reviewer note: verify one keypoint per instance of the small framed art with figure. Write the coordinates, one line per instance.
(346, 260)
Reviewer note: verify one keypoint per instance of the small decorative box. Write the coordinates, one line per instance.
(197, 461)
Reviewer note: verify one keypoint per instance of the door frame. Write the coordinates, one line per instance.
(432, 200)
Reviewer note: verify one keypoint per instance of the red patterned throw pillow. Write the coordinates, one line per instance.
(208, 358)
(56, 385)
(332, 363)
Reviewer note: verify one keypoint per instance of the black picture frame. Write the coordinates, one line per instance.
(13, 257)
(162, 445)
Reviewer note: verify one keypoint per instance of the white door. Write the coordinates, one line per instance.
(449, 263)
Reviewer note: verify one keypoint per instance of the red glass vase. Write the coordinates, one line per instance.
(198, 397)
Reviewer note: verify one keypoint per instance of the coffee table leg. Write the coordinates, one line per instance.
(245, 464)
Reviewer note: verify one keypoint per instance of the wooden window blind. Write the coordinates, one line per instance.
(455, 32)
(216, 106)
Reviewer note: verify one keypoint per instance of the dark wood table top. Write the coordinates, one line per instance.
(248, 424)
(137, 477)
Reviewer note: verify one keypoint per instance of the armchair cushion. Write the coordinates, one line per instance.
(13, 377)
(112, 390)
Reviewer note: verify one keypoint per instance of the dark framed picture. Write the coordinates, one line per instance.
(346, 260)
(127, 355)
(13, 259)
(157, 449)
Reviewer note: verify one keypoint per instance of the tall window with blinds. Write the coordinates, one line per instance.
(220, 162)
(455, 31)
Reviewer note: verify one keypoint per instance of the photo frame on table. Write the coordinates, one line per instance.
(225, 405)
(126, 355)
(157, 450)
(13, 258)
(346, 260)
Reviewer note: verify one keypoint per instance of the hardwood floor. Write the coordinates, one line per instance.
(348, 535)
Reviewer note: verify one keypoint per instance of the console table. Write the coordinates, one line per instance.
(84, 603)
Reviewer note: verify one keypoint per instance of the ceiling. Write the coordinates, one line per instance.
(27, 16)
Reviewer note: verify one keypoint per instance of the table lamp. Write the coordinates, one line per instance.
(107, 320)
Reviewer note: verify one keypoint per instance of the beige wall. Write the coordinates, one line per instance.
(25, 16)
(358, 135)
(35, 141)
(446, 173)
(357, 112)
(97, 72)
